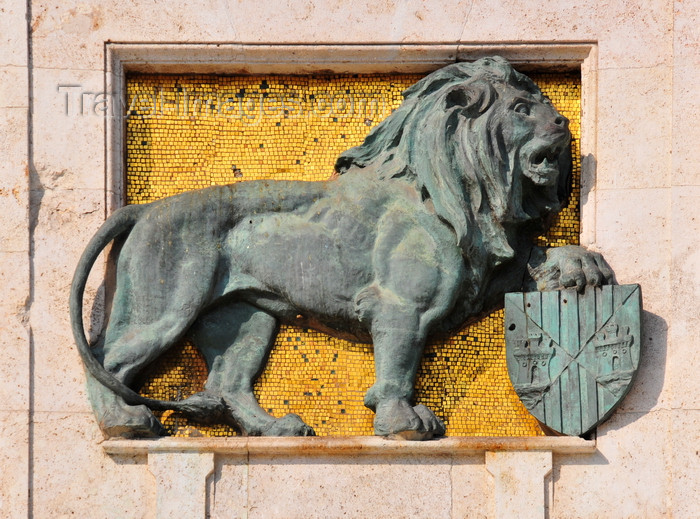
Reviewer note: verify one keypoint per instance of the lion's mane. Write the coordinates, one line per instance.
(446, 137)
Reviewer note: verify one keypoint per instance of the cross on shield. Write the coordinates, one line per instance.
(572, 357)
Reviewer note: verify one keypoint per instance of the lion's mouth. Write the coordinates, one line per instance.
(543, 165)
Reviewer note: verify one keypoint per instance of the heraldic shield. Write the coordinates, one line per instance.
(572, 357)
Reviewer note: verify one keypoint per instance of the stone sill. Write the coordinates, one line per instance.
(350, 445)
(183, 467)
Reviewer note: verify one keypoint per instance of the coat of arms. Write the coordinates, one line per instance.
(572, 357)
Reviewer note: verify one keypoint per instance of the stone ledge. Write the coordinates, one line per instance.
(351, 445)
(261, 58)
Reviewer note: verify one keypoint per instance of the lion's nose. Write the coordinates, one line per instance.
(562, 121)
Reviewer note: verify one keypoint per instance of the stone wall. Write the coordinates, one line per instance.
(640, 68)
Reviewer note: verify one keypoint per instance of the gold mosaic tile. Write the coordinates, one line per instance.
(186, 132)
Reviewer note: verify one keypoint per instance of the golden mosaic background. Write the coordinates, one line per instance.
(186, 132)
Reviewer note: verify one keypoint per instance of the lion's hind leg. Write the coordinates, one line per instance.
(146, 320)
(125, 355)
(236, 338)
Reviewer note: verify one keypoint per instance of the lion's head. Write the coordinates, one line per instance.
(485, 147)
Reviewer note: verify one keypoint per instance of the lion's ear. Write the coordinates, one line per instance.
(472, 98)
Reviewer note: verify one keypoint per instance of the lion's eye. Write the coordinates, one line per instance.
(522, 108)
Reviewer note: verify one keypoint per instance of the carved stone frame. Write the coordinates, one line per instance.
(527, 461)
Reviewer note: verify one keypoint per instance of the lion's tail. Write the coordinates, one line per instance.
(120, 223)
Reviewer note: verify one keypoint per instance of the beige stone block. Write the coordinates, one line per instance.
(66, 220)
(682, 369)
(14, 280)
(686, 112)
(59, 379)
(14, 180)
(684, 354)
(686, 20)
(73, 477)
(652, 387)
(472, 489)
(376, 22)
(72, 34)
(519, 483)
(13, 87)
(13, 138)
(13, 34)
(228, 497)
(685, 256)
(418, 487)
(634, 128)
(628, 36)
(633, 235)
(634, 36)
(67, 35)
(14, 235)
(181, 482)
(68, 131)
(510, 20)
(14, 460)
(626, 477)
(685, 464)
(14, 333)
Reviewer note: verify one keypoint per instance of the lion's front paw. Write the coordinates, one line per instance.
(397, 419)
(572, 266)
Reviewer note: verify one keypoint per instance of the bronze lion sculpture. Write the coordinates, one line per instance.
(424, 227)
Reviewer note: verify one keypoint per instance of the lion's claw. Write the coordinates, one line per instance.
(397, 419)
(431, 422)
(572, 266)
